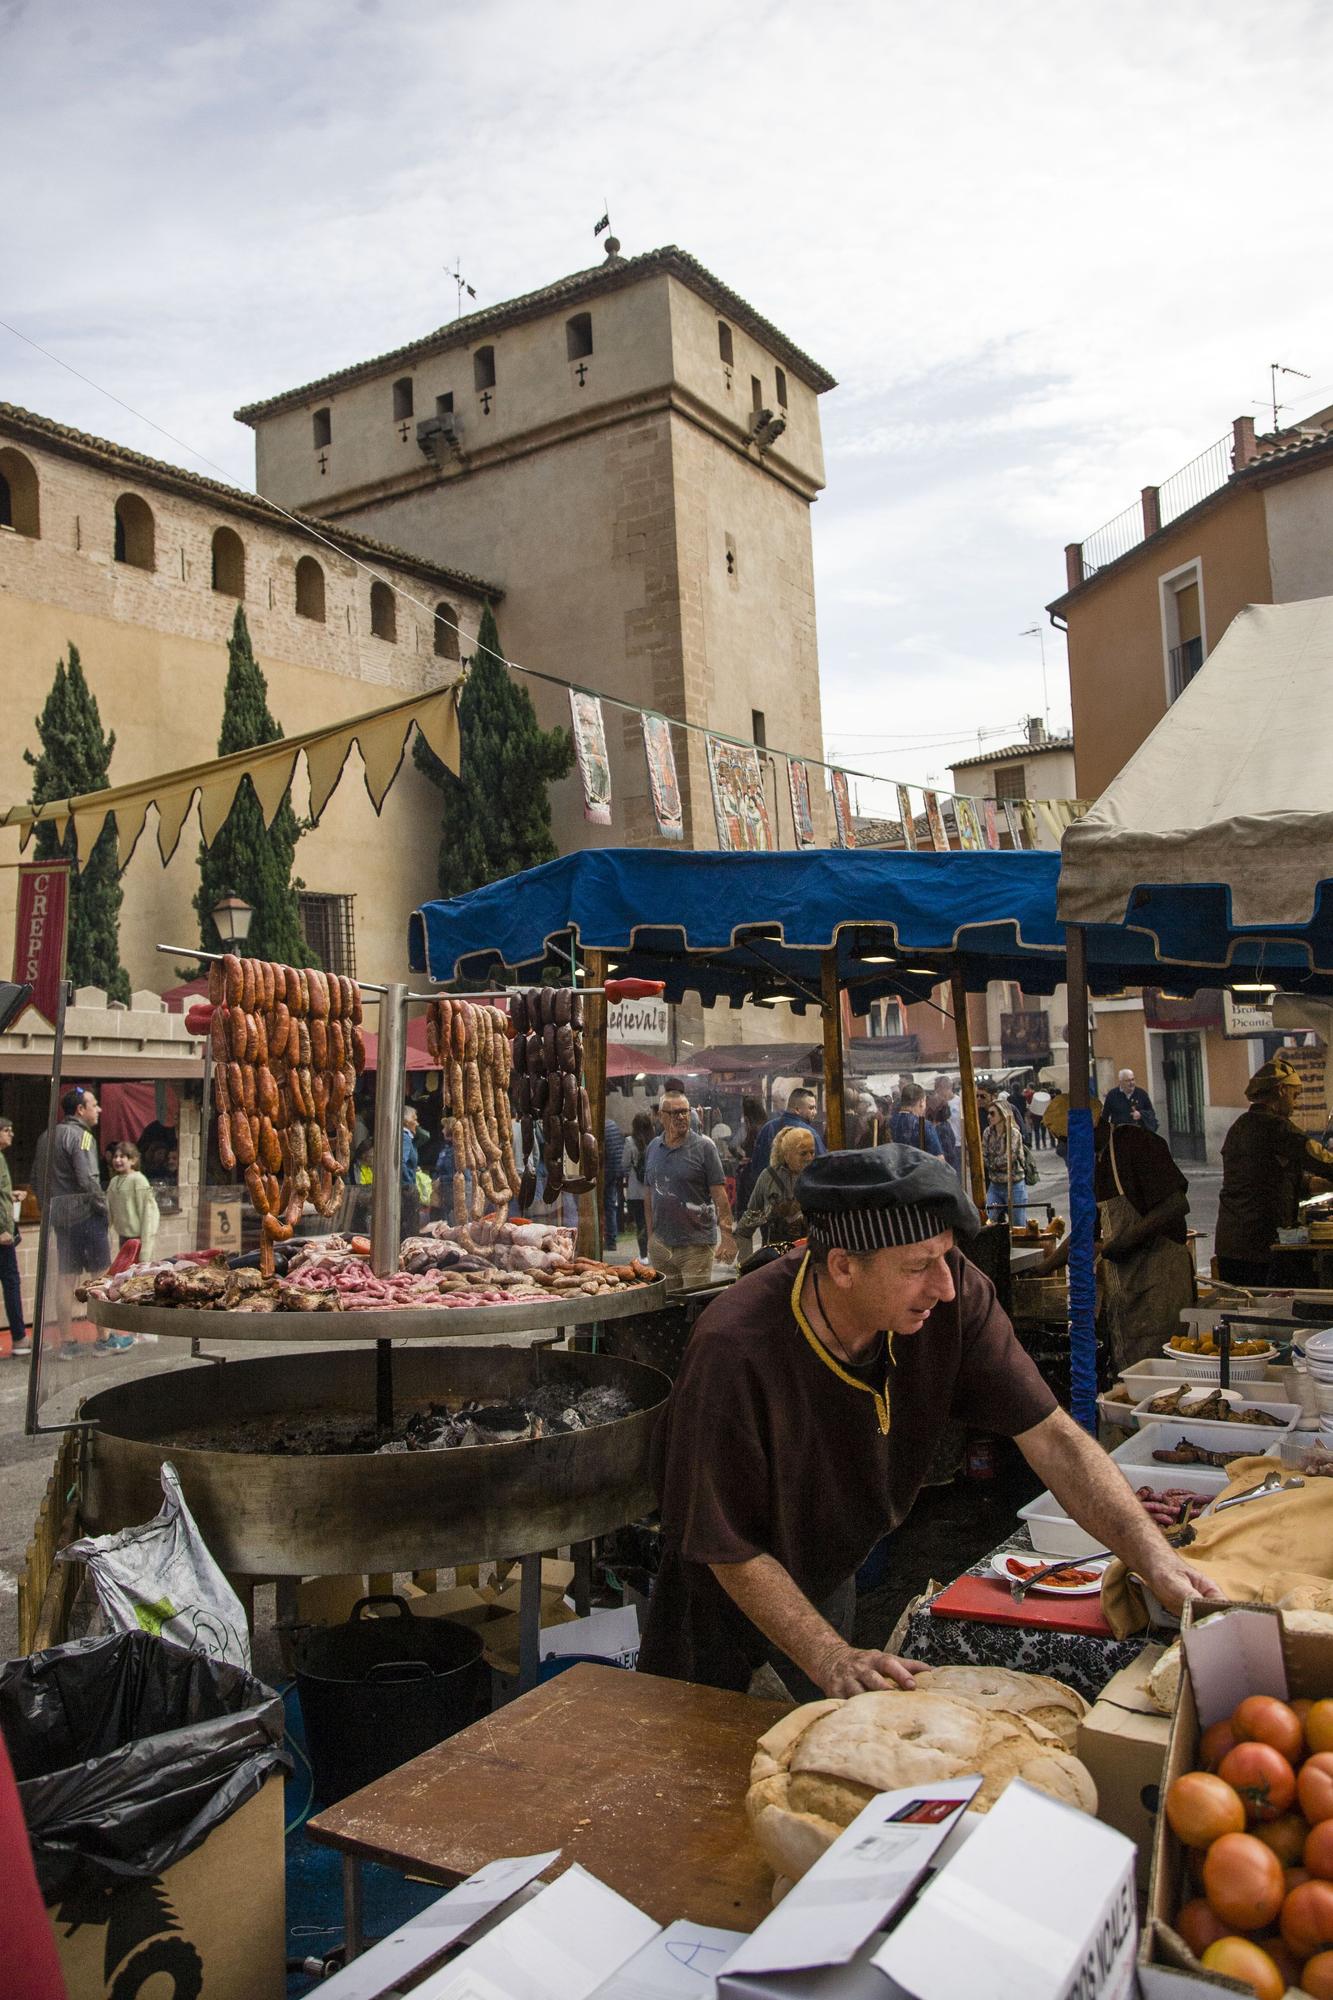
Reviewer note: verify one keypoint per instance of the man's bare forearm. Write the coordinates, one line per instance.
(1093, 1491)
(766, 1593)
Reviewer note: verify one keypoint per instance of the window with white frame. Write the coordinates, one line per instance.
(1184, 639)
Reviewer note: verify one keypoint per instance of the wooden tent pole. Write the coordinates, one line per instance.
(835, 1103)
(1082, 1198)
(592, 1207)
(967, 1083)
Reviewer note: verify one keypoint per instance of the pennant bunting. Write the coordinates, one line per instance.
(843, 829)
(991, 823)
(802, 806)
(969, 825)
(905, 815)
(590, 748)
(939, 839)
(662, 780)
(739, 804)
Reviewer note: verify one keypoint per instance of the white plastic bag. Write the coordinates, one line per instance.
(160, 1578)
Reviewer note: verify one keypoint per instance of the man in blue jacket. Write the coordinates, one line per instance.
(800, 1111)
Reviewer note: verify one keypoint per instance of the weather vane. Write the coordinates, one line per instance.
(457, 278)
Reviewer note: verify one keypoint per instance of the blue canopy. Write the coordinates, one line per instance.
(733, 927)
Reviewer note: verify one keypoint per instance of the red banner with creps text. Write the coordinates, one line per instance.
(39, 934)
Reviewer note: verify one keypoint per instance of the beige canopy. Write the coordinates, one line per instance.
(381, 735)
(1233, 787)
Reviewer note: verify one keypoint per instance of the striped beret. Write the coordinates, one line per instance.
(882, 1198)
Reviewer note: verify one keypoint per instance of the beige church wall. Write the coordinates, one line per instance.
(536, 385)
(700, 370)
(583, 537)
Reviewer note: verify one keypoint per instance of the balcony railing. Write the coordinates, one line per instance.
(1175, 496)
(1183, 663)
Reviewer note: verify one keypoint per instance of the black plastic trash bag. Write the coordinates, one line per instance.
(129, 1751)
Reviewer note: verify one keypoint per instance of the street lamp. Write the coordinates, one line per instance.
(231, 918)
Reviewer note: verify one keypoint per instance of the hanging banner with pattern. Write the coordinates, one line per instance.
(594, 764)
(802, 805)
(662, 780)
(905, 815)
(739, 802)
(844, 832)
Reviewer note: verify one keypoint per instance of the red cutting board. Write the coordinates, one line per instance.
(987, 1599)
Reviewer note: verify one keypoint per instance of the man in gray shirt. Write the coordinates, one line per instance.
(78, 1205)
(685, 1199)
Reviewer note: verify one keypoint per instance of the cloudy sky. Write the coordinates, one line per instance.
(1049, 252)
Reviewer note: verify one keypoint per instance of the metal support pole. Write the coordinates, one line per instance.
(529, 1621)
(386, 1199)
(1082, 1200)
(390, 1089)
(31, 1425)
(835, 1104)
(592, 1206)
(353, 1939)
(582, 1554)
(967, 1083)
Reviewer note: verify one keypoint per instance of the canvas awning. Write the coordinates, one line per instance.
(1215, 842)
(381, 735)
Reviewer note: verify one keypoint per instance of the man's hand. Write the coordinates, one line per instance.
(5, 1242)
(855, 1670)
(726, 1248)
(1173, 1580)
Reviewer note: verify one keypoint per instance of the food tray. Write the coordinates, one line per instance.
(1154, 1374)
(1240, 1441)
(407, 1323)
(1288, 1415)
(1055, 1534)
(1208, 1367)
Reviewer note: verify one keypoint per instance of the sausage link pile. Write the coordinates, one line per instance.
(547, 1090)
(470, 1045)
(287, 1050)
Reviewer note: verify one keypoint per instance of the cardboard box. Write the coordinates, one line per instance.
(1233, 1651)
(224, 1224)
(1039, 1901)
(1123, 1741)
(213, 1924)
(490, 1893)
(562, 1945)
(814, 1941)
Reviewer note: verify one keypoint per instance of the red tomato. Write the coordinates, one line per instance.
(1199, 1925)
(1216, 1740)
(1286, 1836)
(1307, 1918)
(1242, 1880)
(1262, 1776)
(1317, 1854)
(1201, 1807)
(1317, 1977)
(1315, 1787)
(1237, 1958)
(1261, 1718)
(1319, 1725)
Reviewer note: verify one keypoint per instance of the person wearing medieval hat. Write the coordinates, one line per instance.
(804, 1418)
(1268, 1165)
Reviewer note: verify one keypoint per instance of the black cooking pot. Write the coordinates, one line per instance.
(376, 1692)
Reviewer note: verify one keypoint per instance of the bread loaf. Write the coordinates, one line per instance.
(816, 1768)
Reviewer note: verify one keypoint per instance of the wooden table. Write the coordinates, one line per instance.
(640, 1779)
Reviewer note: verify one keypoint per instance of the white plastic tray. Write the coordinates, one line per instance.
(1239, 1441)
(1157, 1372)
(1225, 1434)
(1054, 1534)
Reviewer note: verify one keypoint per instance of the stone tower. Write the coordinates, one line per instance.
(632, 452)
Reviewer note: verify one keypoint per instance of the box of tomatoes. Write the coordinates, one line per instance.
(1241, 1894)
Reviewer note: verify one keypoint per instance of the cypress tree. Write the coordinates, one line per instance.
(496, 815)
(247, 857)
(74, 758)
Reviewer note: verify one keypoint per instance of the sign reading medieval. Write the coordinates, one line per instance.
(39, 932)
(644, 1024)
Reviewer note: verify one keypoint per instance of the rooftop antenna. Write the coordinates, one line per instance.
(1276, 368)
(1035, 632)
(456, 277)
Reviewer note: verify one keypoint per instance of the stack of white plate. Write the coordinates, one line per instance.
(1319, 1368)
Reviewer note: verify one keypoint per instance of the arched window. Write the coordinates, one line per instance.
(228, 563)
(402, 399)
(483, 368)
(446, 632)
(383, 612)
(135, 534)
(321, 425)
(310, 590)
(19, 506)
(578, 336)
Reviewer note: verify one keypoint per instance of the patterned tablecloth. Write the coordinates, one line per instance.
(1081, 1660)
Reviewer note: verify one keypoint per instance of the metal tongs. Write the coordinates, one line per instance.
(1020, 1586)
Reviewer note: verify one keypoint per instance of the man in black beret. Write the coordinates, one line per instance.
(803, 1422)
